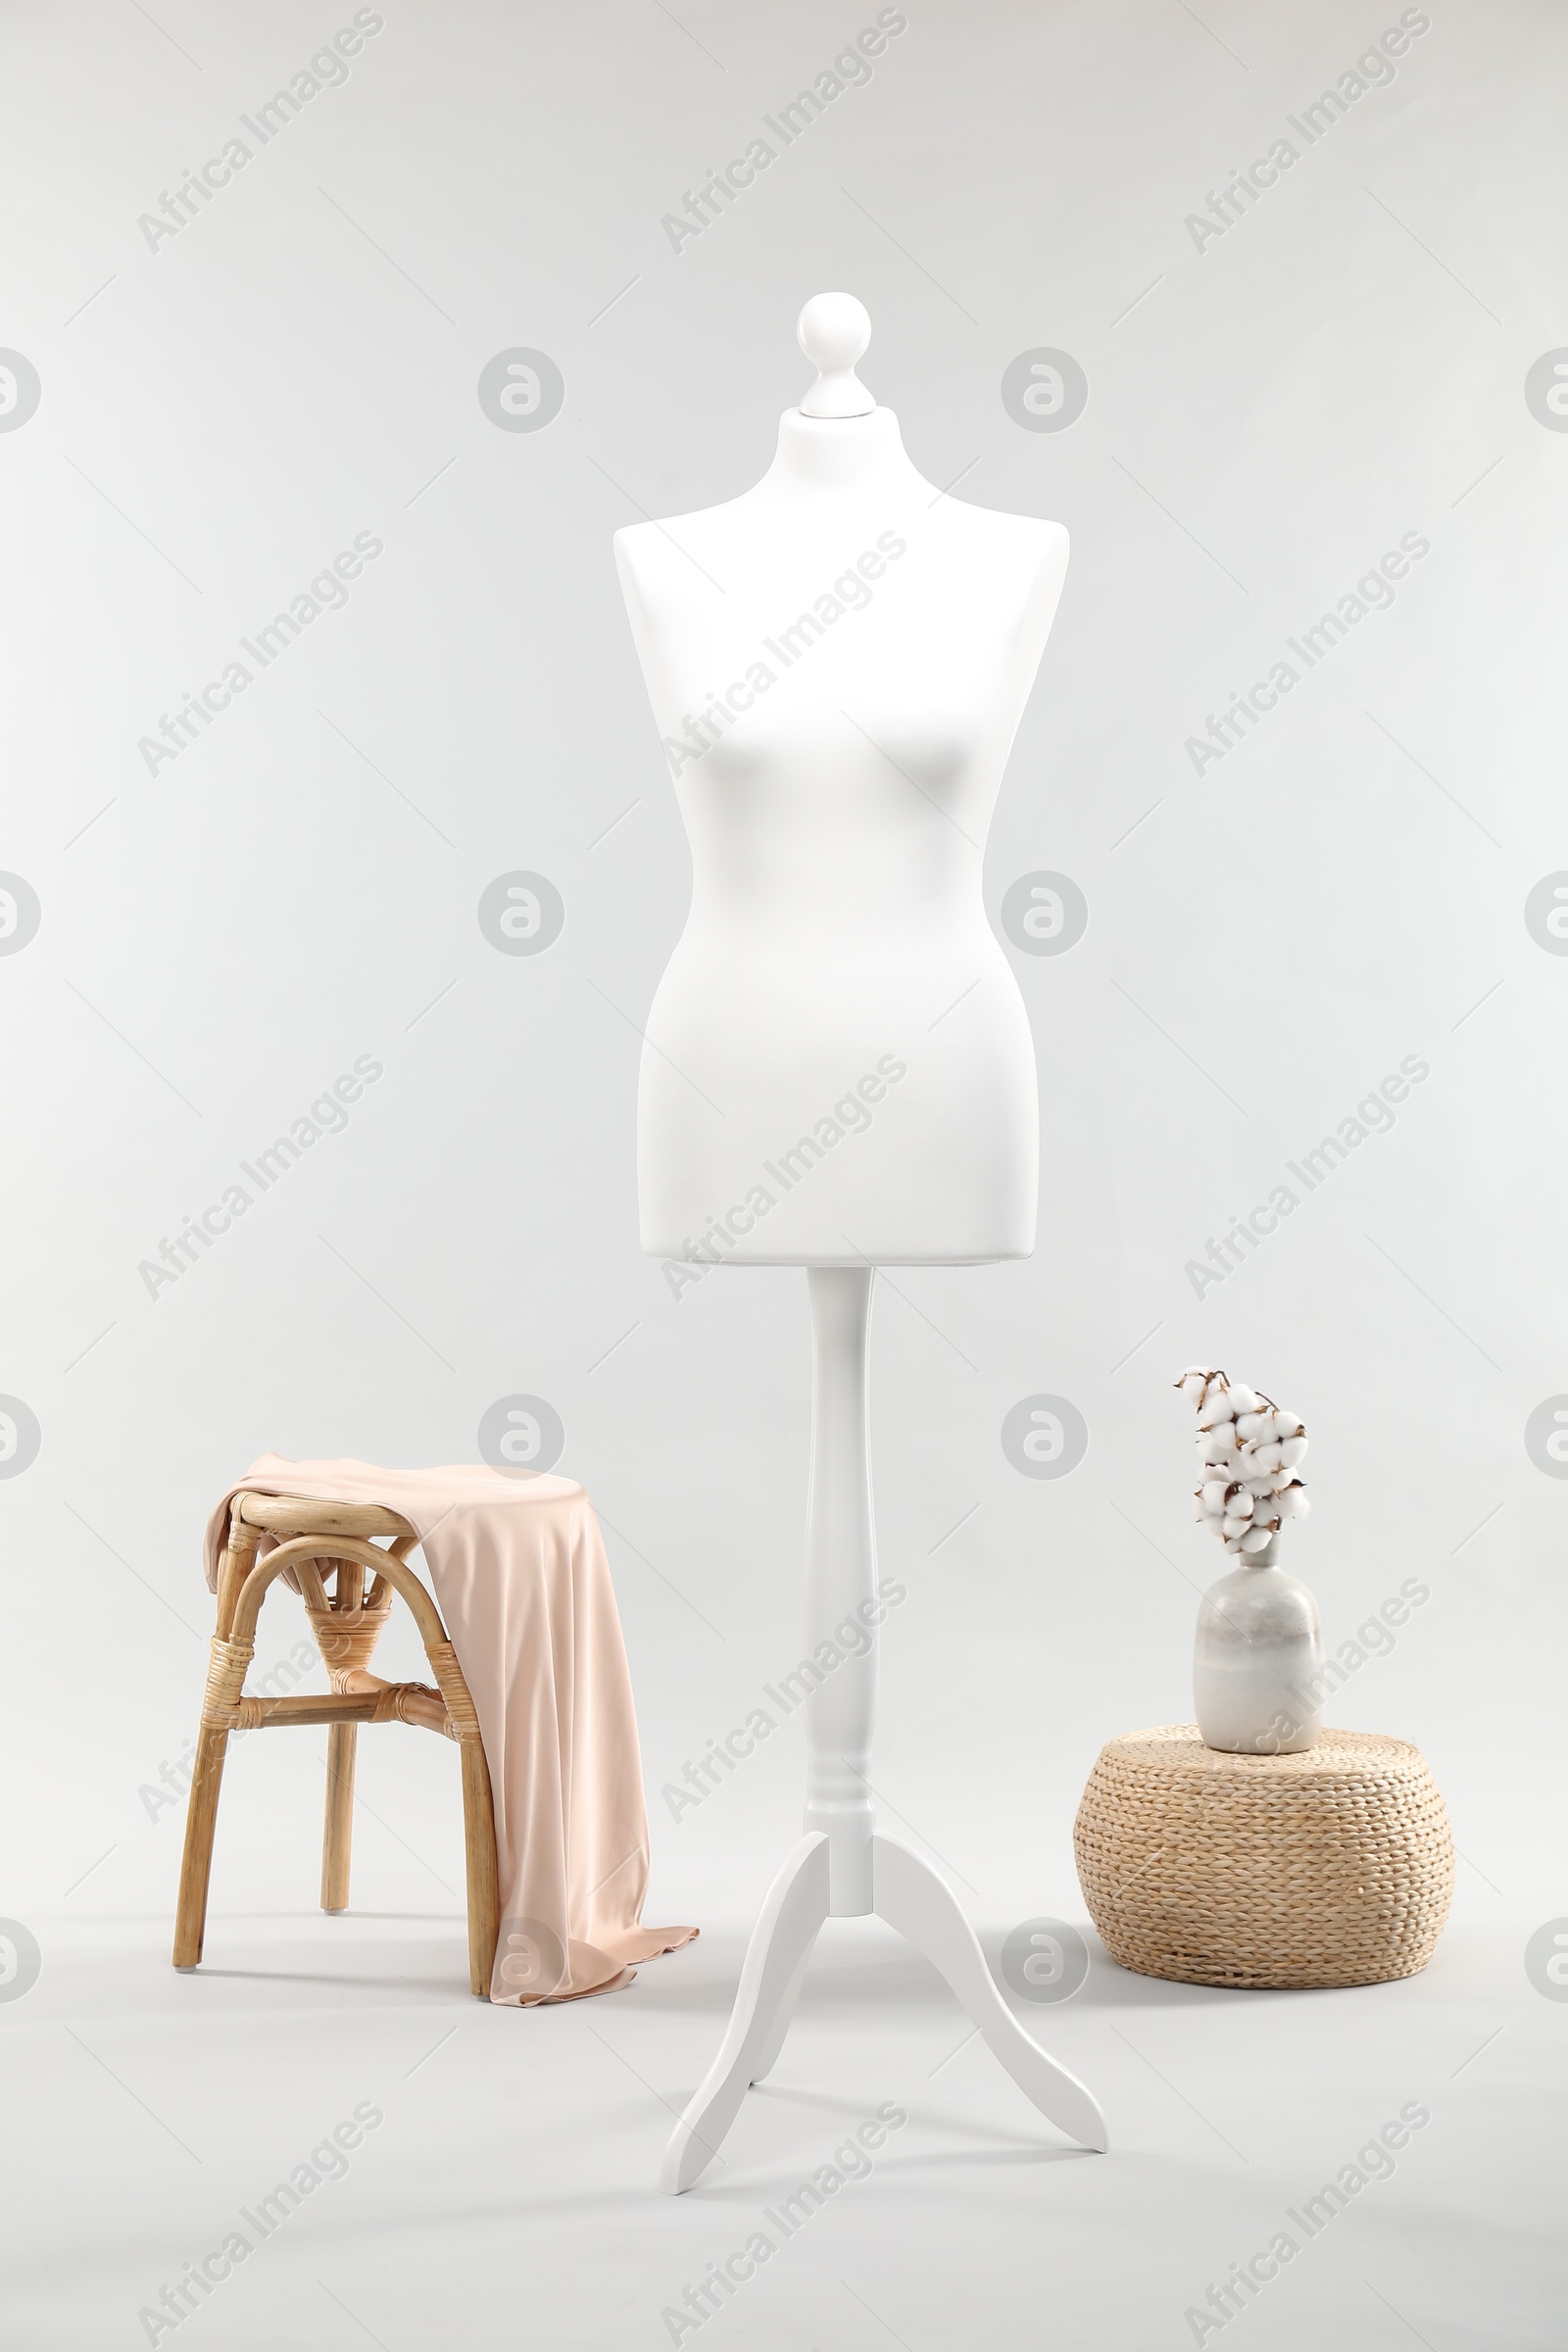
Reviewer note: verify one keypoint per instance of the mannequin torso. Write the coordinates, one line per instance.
(838, 1066)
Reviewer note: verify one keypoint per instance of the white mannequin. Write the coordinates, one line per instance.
(836, 828)
(838, 1071)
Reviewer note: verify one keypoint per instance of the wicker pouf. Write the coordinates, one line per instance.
(1333, 1867)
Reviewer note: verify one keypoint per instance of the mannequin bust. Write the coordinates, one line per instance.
(838, 1067)
(838, 1071)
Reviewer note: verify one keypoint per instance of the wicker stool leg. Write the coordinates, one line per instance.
(478, 1817)
(347, 1633)
(200, 1821)
(226, 1679)
(338, 1829)
(479, 1845)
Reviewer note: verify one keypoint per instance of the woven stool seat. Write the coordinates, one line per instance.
(1331, 1867)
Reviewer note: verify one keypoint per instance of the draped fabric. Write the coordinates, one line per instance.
(520, 1574)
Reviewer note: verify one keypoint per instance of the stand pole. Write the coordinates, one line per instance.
(841, 1869)
(840, 1583)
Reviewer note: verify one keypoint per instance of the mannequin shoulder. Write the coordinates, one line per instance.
(663, 564)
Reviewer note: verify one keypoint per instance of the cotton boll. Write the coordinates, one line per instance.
(1266, 1460)
(1217, 1410)
(1292, 1504)
(1212, 1497)
(1250, 1426)
(1256, 1540)
(1293, 1452)
(1286, 1425)
(1240, 1503)
(1245, 1401)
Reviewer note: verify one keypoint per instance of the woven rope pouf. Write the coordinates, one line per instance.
(1331, 1867)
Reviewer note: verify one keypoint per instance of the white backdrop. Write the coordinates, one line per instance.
(227, 404)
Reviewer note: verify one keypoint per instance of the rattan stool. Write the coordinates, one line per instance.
(317, 1540)
(1331, 1867)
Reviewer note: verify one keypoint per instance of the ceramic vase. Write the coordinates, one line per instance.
(1257, 1687)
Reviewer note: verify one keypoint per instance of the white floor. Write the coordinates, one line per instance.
(506, 2197)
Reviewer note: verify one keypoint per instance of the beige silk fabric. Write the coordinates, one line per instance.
(518, 1569)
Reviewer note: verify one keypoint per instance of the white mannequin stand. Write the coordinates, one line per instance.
(842, 1868)
(836, 794)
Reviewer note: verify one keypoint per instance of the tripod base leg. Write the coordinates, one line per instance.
(911, 1897)
(767, 2057)
(775, 1962)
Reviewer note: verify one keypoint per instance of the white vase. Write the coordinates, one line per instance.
(1257, 1662)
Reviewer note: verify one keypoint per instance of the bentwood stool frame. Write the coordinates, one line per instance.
(318, 1540)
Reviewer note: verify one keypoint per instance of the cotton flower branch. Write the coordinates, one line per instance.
(1250, 1453)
